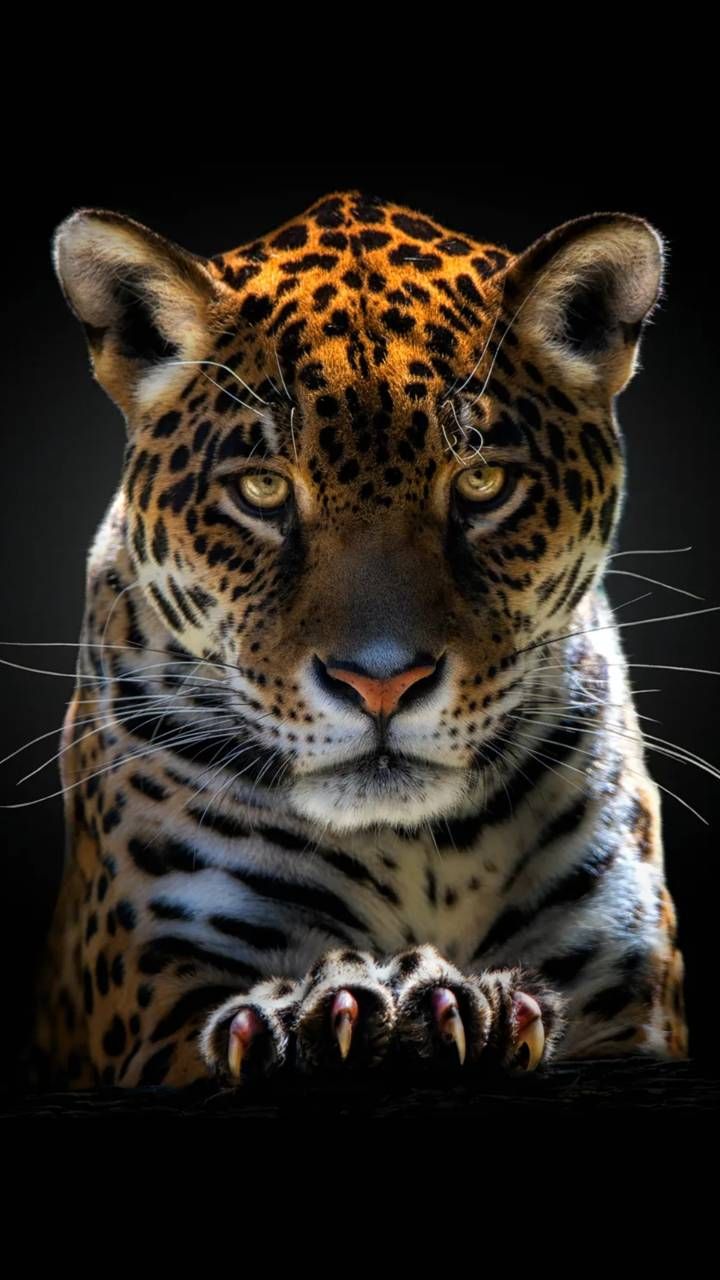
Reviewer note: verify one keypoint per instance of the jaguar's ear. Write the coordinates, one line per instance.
(142, 301)
(581, 294)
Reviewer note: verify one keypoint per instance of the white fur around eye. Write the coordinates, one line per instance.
(262, 525)
(482, 522)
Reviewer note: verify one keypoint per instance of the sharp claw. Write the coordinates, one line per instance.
(243, 1028)
(530, 1043)
(344, 1015)
(530, 1046)
(448, 1022)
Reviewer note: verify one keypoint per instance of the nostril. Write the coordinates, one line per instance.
(339, 689)
(424, 685)
(379, 693)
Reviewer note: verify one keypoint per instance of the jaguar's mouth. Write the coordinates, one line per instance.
(383, 768)
(378, 787)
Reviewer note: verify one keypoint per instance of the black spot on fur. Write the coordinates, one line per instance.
(115, 1038)
(561, 400)
(156, 1068)
(167, 425)
(126, 915)
(293, 237)
(573, 488)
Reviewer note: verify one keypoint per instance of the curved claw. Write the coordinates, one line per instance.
(243, 1029)
(344, 1015)
(530, 1032)
(448, 1023)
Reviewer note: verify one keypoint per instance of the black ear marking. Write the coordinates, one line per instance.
(631, 332)
(592, 324)
(95, 335)
(588, 319)
(139, 337)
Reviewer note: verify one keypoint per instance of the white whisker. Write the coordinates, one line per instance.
(639, 622)
(625, 573)
(655, 551)
(217, 365)
(282, 379)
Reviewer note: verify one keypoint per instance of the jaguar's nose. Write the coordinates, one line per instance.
(379, 695)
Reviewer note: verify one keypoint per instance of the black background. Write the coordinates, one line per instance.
(62, 444)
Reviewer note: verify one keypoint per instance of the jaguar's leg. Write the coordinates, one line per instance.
(640, 1010)
(353, 1010)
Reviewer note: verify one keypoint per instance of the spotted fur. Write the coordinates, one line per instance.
(236, 823)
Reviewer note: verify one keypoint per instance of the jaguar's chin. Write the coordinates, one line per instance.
(379, 790)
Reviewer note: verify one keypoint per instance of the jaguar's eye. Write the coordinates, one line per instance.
(265, 490)
(482, 485)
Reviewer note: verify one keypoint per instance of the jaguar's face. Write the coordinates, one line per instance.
(370, 481)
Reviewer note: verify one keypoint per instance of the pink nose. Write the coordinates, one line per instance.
(381, 697)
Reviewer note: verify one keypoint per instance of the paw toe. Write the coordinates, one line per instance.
(345, 1025)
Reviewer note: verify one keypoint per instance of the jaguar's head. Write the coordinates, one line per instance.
(372, 467)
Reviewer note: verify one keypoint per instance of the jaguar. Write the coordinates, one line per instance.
(353, 775)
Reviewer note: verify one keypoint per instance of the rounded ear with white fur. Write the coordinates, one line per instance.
(581, 293)
(142, 301)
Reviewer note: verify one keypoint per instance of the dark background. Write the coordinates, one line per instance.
(62, 442)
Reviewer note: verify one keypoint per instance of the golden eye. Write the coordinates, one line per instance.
(264, 489)
(481, 485)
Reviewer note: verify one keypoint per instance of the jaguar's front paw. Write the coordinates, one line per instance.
(501, 1018)
(353, 1011)
(347, 1015)
(527, 1019)
(339, 1015)
(249, 1036)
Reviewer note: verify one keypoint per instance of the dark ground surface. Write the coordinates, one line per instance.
(684, 1092)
